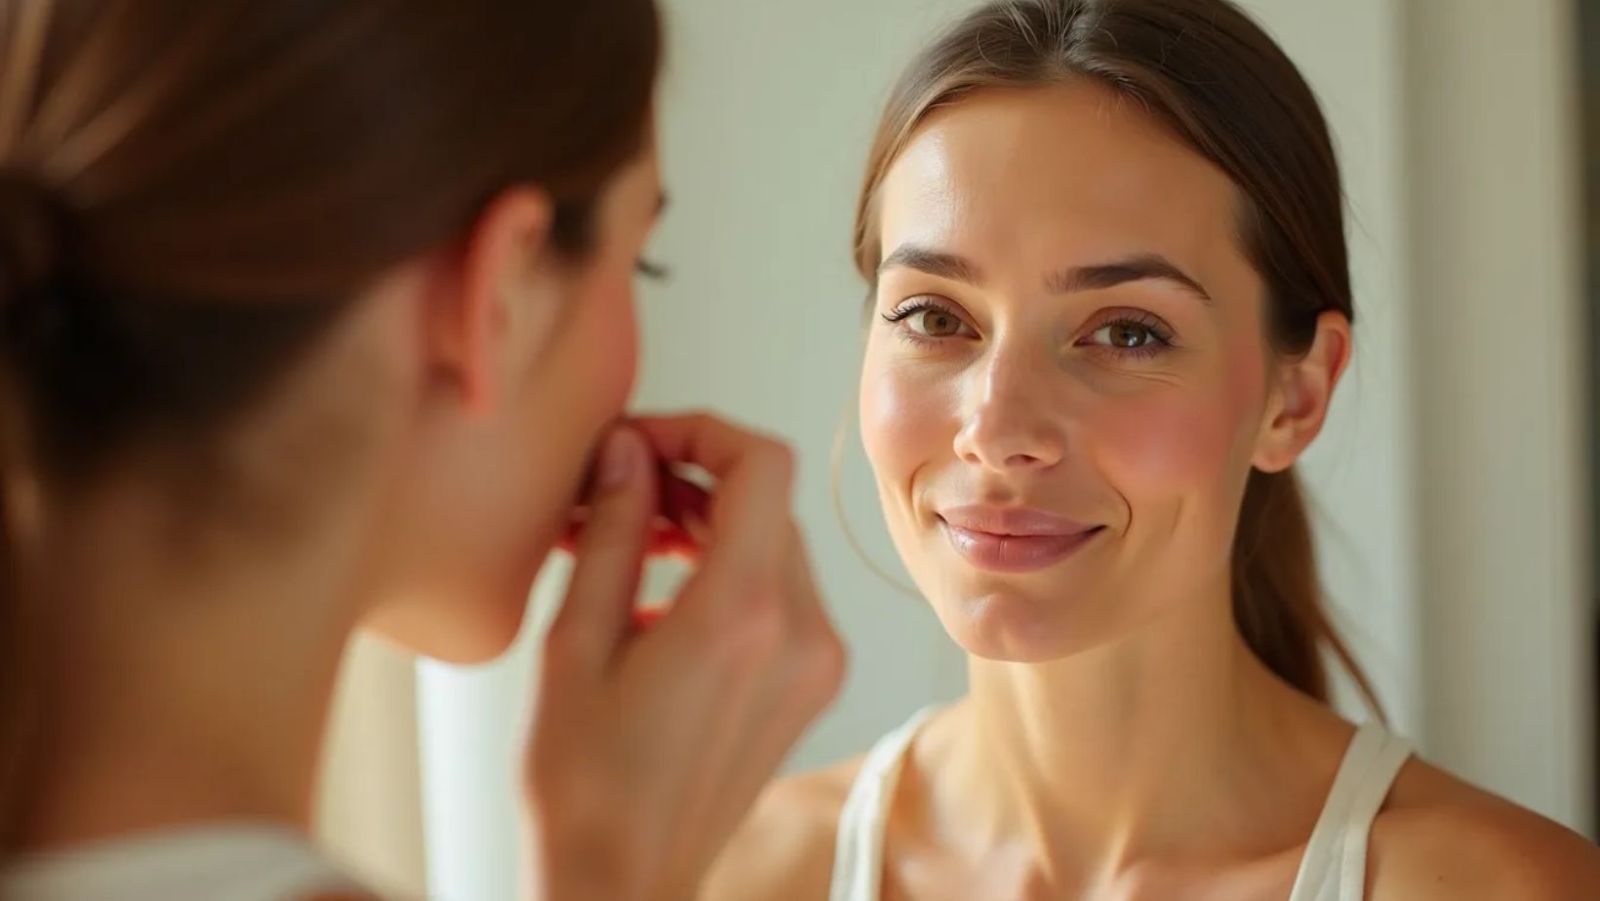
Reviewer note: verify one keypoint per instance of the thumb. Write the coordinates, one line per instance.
(610, 554)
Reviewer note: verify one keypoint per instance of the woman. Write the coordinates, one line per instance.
(1111, 304)
(312, 317)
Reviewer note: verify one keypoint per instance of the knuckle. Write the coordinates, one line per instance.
(755, 635)
(823, 662)
(706, 428)
(778, 459)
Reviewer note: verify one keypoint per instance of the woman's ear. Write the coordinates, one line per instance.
(470, 302)
(1297, 405)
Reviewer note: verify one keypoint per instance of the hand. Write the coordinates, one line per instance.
(648, 747)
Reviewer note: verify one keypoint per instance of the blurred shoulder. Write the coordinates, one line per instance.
(1442, 838)
(784, 848)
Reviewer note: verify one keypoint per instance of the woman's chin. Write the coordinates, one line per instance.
(459, 633)
(1013, 627)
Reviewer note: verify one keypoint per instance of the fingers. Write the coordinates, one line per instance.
(751, 506)
(680, 525)
(616, 536)
(690, 716)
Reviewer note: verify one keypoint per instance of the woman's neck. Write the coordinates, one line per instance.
(183, 684)
(1174, 742)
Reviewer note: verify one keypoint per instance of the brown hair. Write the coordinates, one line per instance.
(191, 189)
(1214, 77)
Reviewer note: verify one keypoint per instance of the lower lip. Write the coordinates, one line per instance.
(1014, 553)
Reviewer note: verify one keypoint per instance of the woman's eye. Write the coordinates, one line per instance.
(934, 323)
(1125, 335)
(1128, 335)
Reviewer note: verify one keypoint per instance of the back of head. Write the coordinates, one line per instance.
(191, 190)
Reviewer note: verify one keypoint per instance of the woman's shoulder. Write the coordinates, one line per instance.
(1440, 837)
(784, 848)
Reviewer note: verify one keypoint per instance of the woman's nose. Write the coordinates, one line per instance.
(1011, 421)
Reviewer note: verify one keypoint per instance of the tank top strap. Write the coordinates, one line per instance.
(858, 845)
(1334, 867)
(1364, 809)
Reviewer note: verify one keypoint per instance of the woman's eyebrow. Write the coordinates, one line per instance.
(1131, 269)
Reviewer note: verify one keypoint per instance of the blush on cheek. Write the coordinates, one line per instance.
(1196, 435)
(1243, 391)
(1174, 444)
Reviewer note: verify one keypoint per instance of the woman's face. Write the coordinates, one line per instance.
(1067, 377)
(549, 348)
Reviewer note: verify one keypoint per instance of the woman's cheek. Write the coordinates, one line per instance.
(622, 355)
(1162, 446)
(612, 349)
(906, 420)
(1192, 437)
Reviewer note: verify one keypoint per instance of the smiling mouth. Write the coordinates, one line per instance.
(1013, 540)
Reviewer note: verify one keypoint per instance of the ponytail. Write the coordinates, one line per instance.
(1277, 600)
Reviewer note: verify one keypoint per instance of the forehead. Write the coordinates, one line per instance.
(1067, 174)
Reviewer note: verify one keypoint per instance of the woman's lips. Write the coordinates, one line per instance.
(1013, 539)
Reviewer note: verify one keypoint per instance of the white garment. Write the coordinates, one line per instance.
(231, 862)
(1334, 867)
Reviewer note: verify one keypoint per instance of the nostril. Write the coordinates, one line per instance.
(1024, 461)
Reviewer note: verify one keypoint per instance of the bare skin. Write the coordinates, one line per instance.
(1437, 837)
(1119, 741)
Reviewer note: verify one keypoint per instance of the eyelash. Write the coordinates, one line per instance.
(1161, 338)
(916, 305)
(653, 271)
(912, 308)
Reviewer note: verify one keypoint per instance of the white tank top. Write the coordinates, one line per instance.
(1334, 867)
(233, 862)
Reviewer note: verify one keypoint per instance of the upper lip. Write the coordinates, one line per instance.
(1028, 522)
